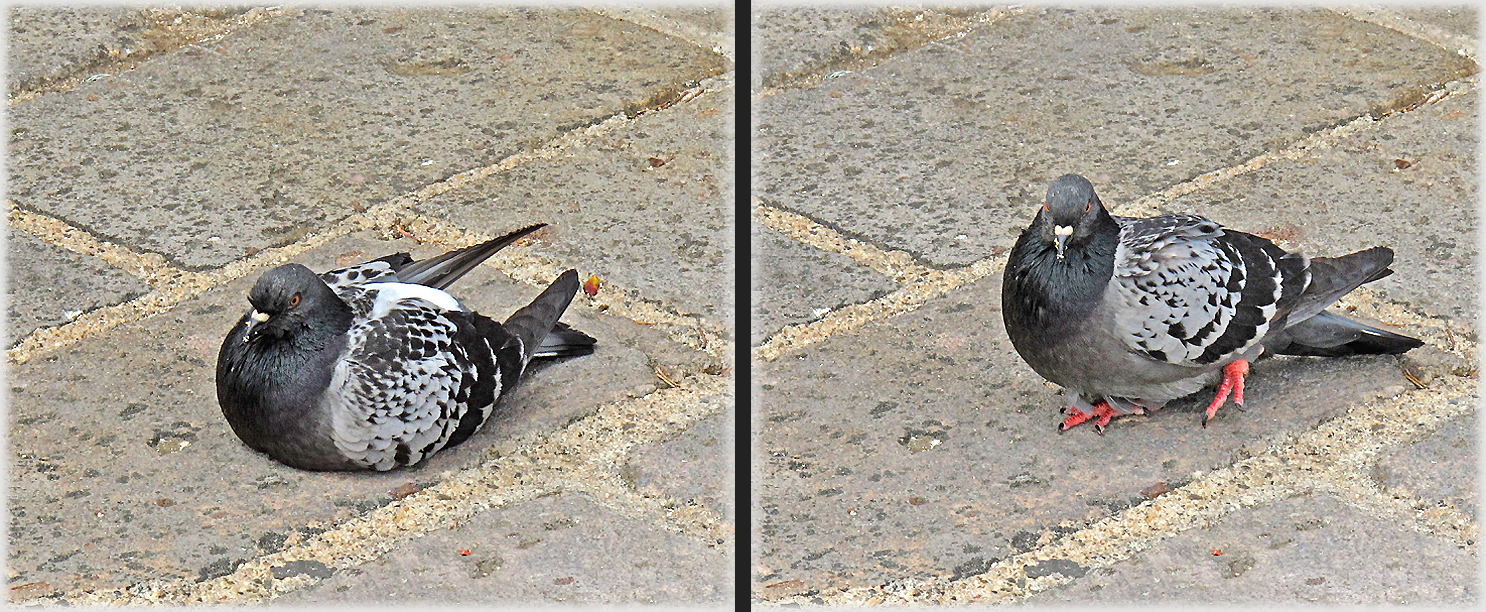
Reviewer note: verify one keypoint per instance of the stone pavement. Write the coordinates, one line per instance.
(161, 159)
(903, 453)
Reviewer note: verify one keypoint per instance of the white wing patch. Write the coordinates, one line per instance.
(391, 295)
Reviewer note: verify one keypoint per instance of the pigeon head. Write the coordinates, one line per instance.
(1069, 211)
(287, 300)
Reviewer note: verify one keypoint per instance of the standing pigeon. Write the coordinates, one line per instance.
(375, 366)
(1127, 314)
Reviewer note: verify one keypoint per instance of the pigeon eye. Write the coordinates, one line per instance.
(294, 300)
(1045, 207)
(1088, 208)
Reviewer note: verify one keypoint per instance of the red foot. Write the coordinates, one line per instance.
(1233, 374)
(1076, 416)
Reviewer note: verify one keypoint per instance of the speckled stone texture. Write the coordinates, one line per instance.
(1307, 550)
(929, 145)
(48, 283)
(795, 283)
(301, 119)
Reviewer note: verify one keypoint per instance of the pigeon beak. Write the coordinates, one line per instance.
(1060, 238)
(254, 318)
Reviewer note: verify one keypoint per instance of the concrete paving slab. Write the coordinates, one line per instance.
(1307, 550)
(47, 43)
(558, 549)
(696, 466)
(922, 446)
(47, 282)
(54, 43)
(290, 124)
(123, 470)
(649, 208)
(931, 153)
(799, 42)
(1409, 184)
(1441, 467)
(792, 282)
(1457, 20)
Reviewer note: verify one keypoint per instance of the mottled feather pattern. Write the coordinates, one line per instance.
(1197, 294)
(397, 380)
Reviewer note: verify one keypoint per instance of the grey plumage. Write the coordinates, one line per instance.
(1135, 312)
(374, 366)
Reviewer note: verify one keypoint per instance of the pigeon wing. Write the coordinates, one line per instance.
(1188, 292)
(405, 384)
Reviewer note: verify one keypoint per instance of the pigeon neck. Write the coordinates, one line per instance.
(1056, 292)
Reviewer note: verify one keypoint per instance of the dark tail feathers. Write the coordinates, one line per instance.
(1334, 277)
(536, 323)
(1331, 335)
(440, 272)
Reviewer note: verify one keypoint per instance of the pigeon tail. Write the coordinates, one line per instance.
(1334, 277)
(440, 272)
(1331, 335)
(536, 323)
(564, 341)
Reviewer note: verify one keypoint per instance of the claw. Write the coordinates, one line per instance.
(1233, 374)
(1075, 416)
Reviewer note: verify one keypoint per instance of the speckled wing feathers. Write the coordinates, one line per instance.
(405, 384)
(1191, 293)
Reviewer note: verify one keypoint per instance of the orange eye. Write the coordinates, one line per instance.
(1044, 207)
(294, 300)
(1089, 208)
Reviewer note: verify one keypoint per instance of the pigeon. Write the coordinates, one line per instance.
(1127, 313)
(375, 366)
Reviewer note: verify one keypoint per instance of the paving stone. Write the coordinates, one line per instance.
(46, 43)
(922, 446)
(1356, 195)
(663, 230)
(47, 282)
(559, 549)
(931, 153)
(289, 125)
(1441, 467)
(797, 41)
(1310, 549)
(1457, 20)
(695, 466)
(122, 468)
(791, 281)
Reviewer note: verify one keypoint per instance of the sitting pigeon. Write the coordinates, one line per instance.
(375, 366)
(1127, 314)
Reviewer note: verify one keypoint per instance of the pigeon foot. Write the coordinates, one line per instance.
(1233, 375)
(1102, 414)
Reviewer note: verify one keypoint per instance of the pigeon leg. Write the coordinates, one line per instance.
(1233, 374)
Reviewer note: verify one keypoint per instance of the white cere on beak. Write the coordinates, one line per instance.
(1060, 238)
(263, 316)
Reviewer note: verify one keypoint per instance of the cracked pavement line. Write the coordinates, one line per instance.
(703, 39)
(168, 38)
(537, 466)
(912, 34)
(1320, 460)
(919, 283)
(185, 285)
(1465, 46)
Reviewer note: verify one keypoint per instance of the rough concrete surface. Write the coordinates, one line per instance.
(936, 154)
(1311, 549)
(525, 556)
(905, 454)
(51, 286)
(320, 136)
(793, 283)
